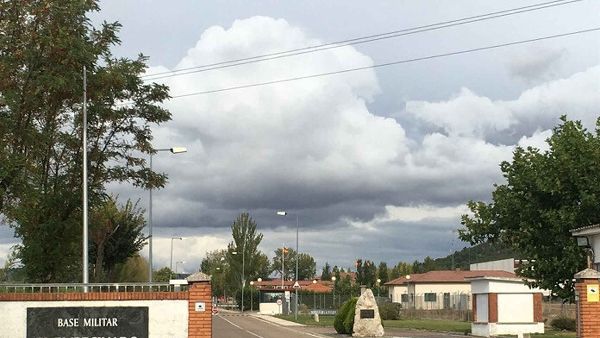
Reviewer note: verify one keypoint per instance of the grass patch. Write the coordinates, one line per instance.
(419, 324)
(429, 325)
(309, 320)
(552, 334)
(423, 324)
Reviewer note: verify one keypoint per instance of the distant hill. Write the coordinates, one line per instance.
(462, 259)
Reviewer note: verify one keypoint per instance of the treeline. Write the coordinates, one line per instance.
(375, 275)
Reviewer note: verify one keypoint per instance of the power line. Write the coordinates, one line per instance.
(355, 41)
(429, 57)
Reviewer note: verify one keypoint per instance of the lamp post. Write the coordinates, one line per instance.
(171, 265)
(243, 266)
(378, 286)
(296, 286)
(333, 280)
(174, 150)
(251, 298)
(314, 295)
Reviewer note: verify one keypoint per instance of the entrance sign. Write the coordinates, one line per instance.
(200, 307)
(592, 293)
(127, 322)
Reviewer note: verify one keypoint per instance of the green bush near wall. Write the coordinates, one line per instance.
(344, 319)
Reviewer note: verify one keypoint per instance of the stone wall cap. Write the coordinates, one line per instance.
(198, 277)
(588, 274)
(589, 230)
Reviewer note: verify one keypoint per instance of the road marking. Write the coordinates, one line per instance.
(232, 323)
(290, 329)
(241, 328)
(254, 334)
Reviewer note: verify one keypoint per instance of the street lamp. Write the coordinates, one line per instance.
(333, 280)
(378, 286)
(296, 285)
(243, 272)
(314, 295)
(171, 265)
(259, 280)
(174, 150)
(251, 298)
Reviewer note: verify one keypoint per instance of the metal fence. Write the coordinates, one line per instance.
(436, 301)
(90, 287)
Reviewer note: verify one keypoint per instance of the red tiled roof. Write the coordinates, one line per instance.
(275, 284)
(449, 276)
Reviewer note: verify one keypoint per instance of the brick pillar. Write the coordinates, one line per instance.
(538, 315)
(588, 308)
(474, 307)
(492, 307)
(199, 306)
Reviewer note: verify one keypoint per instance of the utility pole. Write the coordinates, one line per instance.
(85, 184)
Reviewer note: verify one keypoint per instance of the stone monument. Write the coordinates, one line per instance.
(367, 322)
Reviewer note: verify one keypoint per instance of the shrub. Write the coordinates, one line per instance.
(563, 323)
(349, 320)
(389, 311)
(343, 313)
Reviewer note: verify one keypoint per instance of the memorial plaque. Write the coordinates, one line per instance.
(49, 322)
(367, 314)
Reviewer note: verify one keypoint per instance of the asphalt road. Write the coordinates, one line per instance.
(245, 326)
(229, 325)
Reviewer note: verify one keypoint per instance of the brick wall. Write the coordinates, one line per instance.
(200, 323)
(538, 315)
(474, 301)
(72, 296)
(589, 313)
(492, 308)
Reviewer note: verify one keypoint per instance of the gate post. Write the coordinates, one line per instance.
(588, 303)
(199, 306)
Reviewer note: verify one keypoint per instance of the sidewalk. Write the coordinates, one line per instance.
(275, 320)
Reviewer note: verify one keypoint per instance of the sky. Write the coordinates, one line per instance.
(375, 164)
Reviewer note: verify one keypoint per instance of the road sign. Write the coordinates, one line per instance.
(279, 302)
(296, 285)
(215, 310)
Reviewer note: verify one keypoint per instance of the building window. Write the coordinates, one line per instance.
(430, 297)
(404, 298)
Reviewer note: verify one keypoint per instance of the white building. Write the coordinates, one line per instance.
(435, 290)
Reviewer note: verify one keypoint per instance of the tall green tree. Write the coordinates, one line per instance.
(215, 265)
(307, 268)
(326, 272)
(285, 257)
(116, 234)
(383, 272)
(546, 194)
(44, 46)
(242, 252)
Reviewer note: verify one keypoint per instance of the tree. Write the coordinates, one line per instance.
(133, 270)
(116, 235)
(44, 46)
(326, 272)
(289, 256)
(162, 275)
(242, 252)
(546, 194)
(383, 272)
